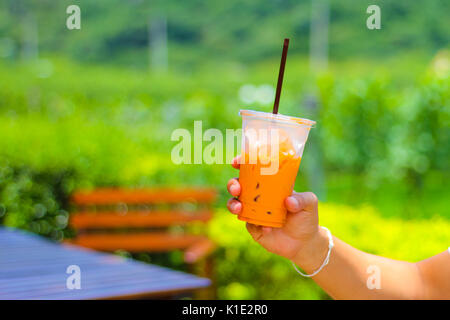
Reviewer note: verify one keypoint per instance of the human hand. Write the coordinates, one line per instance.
(299, 236)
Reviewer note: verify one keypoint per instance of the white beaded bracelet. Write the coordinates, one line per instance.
(325, 262)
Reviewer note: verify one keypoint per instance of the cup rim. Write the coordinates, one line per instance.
(277, 117)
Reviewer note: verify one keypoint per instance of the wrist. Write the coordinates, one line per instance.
(311, 256)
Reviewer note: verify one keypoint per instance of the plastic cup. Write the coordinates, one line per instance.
(272, 148)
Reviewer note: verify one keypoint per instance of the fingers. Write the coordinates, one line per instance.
(234, 187)
(266, 230)
(255, 231)
(234, 206)
(258, 233)
(301, 201)
(236, 163)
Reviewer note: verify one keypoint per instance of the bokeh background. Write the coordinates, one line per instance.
(96, 107)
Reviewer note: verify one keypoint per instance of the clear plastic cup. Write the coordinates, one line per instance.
(272, 148)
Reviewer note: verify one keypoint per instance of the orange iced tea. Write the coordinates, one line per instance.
(263, 191)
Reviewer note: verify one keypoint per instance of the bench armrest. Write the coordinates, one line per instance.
(199, 250)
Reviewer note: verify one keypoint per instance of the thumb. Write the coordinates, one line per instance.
(301, 201)
(303, 215)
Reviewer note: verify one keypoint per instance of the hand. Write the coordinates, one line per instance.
(298, 238)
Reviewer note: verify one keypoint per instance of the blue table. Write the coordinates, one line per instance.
(32, 267)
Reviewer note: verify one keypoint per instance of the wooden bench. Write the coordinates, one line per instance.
(145, 220)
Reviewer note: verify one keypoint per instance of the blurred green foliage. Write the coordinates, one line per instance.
(368, 128)
(382, 125)
(202, 32)
(66, 126)
(110, 126)
(35, 200)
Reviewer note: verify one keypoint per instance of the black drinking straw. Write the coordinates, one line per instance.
(280, 76)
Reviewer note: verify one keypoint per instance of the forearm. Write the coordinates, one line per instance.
(353, 274)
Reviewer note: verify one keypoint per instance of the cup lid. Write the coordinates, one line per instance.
(277, 117)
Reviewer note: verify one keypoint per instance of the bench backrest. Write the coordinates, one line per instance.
(139, 219)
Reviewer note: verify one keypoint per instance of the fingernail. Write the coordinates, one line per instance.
(294, 202)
